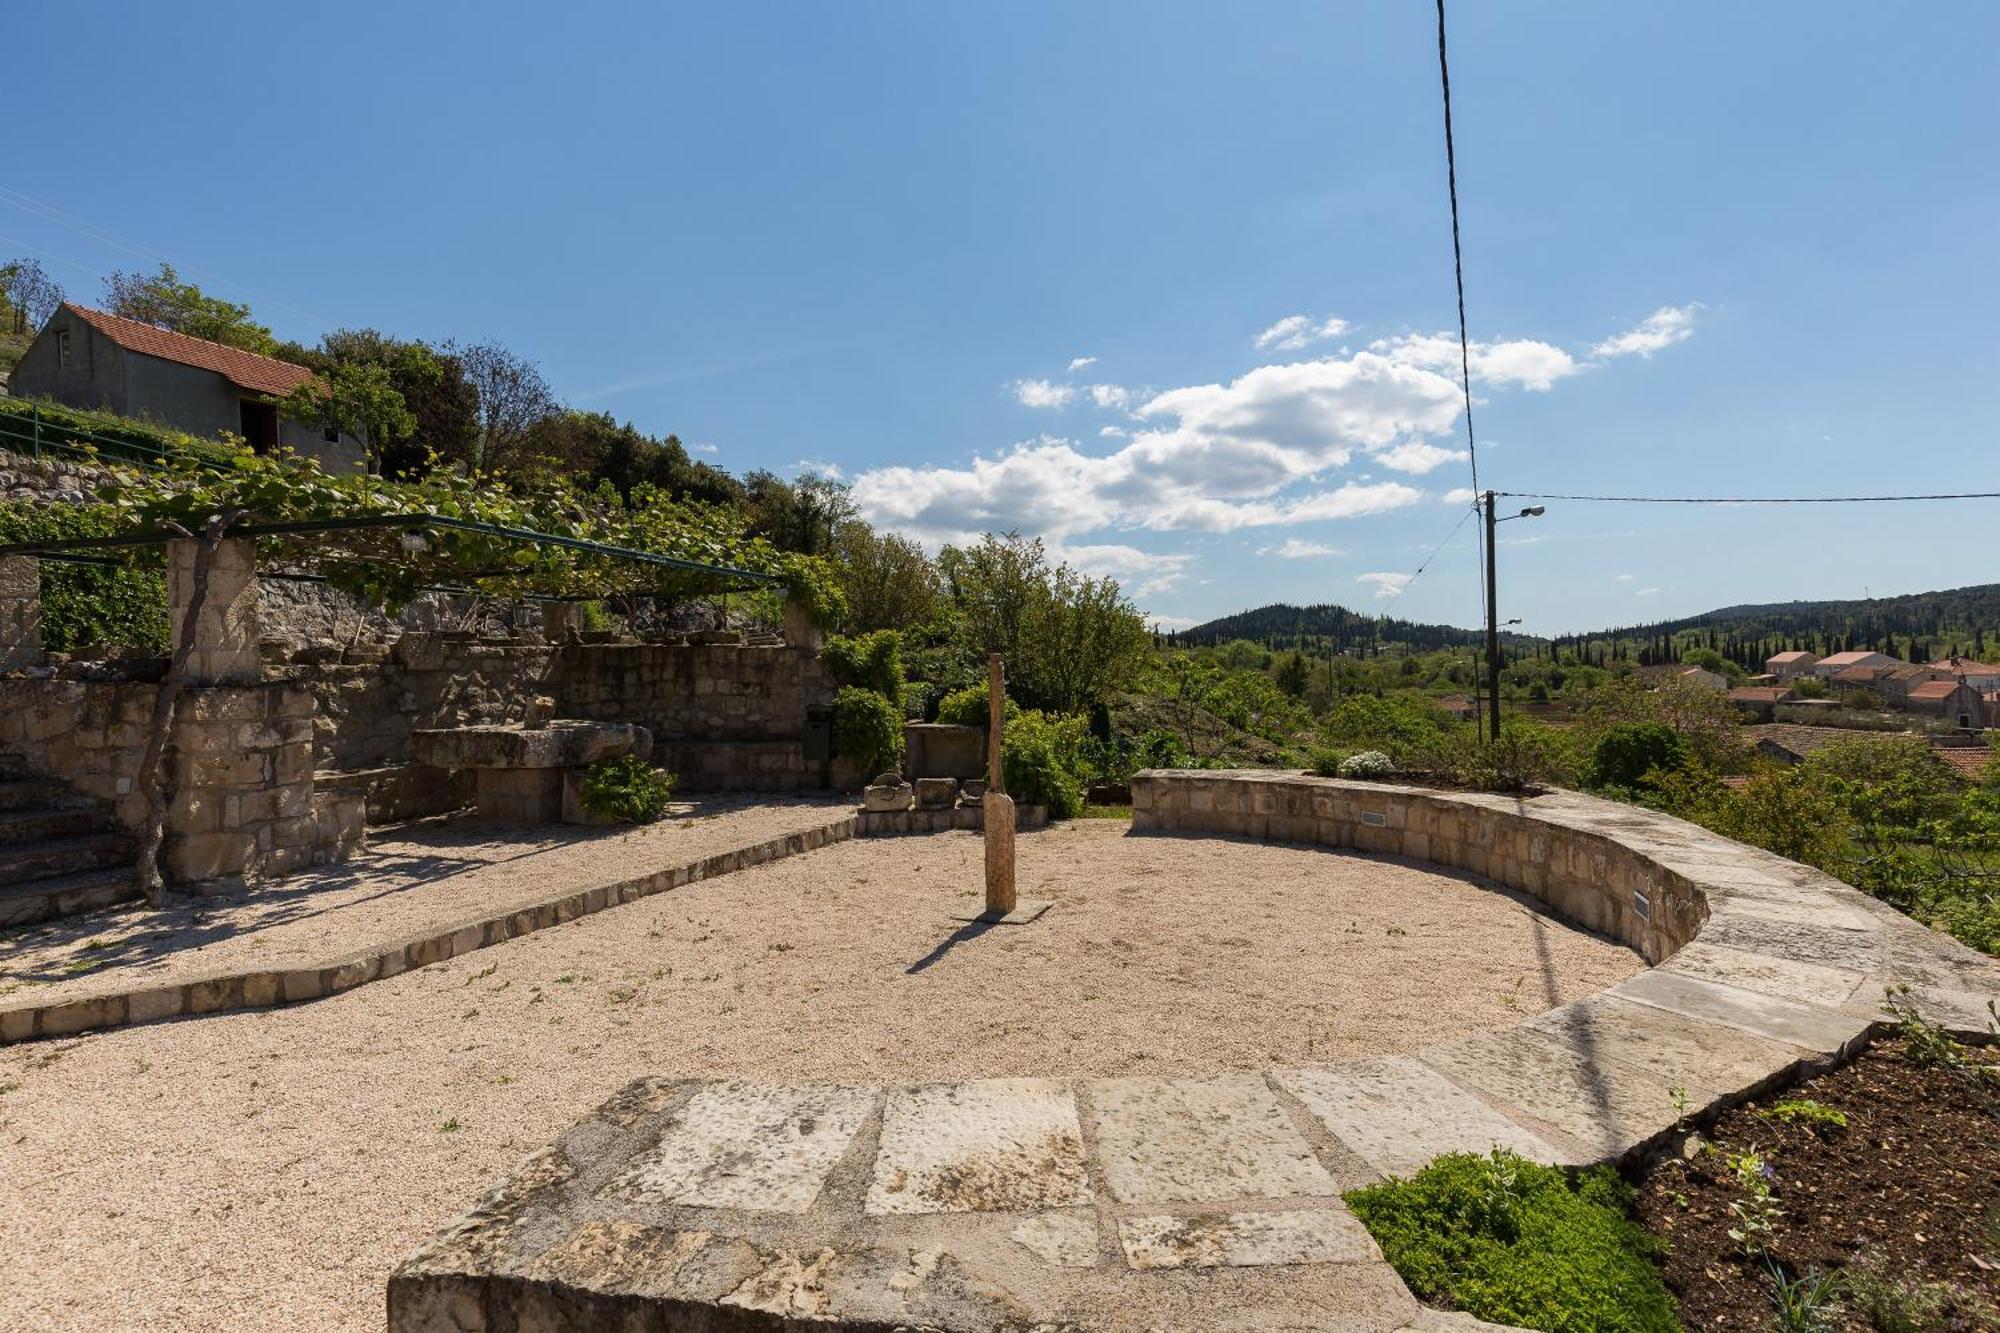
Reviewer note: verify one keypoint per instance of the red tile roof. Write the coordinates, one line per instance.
(246, 370)
(1935, 689)
(1760, 694)
(1969, 760)
(1859, 657)
(1790, 657)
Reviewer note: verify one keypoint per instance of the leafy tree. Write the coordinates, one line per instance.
(801, 515)
(511, 398)
(443, 405)
(1294, 675)
(28, 296)
(889, 581)
(164, 301)
(356, 398)
(1067, 639)
(1627, 754)
(595, 446)
(869, 661)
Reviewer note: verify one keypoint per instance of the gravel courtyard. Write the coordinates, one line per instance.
(267, 1169)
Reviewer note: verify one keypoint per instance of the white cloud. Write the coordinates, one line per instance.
(1043, 393)
(1663, 328)
(1296, 331)
(1523, 363)
(1170, 622)
(1416, 457)
(1110, 395)
(1459, 495)
(703, 447)
(831, 471)
(1646, 592)
(1079, 362)
(1149, 573)
(1623, 578)
(1386, 584)
(1293, 548)
(1112, 432)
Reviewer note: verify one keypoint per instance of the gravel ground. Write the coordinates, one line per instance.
(267, 1169)
(421, 876)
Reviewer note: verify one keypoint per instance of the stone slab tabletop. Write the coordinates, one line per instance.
(557, 745)
(1209, 1202)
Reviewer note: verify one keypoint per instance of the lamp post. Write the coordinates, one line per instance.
(1493, 614)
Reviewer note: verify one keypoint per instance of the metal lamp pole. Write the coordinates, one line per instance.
(1493, 613)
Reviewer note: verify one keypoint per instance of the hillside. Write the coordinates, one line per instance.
(1327, 627)
(1956, 611)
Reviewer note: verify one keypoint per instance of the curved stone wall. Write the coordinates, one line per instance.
(1208, 1202)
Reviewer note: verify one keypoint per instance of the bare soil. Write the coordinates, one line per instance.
(1908, 1192)
(268, 1169)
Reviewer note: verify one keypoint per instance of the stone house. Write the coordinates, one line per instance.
(1759, 701)
(1694, 675)
(98, 362)
(1829, 667)
(1953, 700)
(1787, 665)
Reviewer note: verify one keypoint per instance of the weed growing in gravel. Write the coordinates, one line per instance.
(450, 1126)
(1515, 1242)
(1815, 1116)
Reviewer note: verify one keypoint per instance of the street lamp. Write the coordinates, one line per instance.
(1493, 612)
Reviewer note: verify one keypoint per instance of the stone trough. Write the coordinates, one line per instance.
(518, 771)
(1197, 1203)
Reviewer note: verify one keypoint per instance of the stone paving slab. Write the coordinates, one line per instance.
(1686, 1051)
(1809, 983)
(738, 1145)
(1398, 1113)
(1821, 1031)
(991, 1145)
(1329, 1235)
(1200, 1140)
(1603, 1107)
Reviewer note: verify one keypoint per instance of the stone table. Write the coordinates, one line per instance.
(518, 771)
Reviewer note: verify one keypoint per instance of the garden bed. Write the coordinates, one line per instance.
(1898, 1208)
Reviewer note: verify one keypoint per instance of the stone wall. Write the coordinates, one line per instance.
(1589, 877)
(241, 800)
(723, 716)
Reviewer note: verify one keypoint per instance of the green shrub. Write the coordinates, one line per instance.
(1325, 760)
(1627, 751)
(1042, 759)
(113, 605)
(1514, 1242)
(1527, 755)
(868, 729)
(969, 708)
(626, 788)
(868, 662)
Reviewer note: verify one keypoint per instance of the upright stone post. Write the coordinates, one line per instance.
(227, 634)
(20, 612)
(998, 817)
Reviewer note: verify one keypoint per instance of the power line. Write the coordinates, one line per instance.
(1435, 552)
(1457, 251)
(1751, 499)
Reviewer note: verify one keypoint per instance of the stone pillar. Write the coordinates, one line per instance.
(800, 631)
(561, 621)
(20, 612)
(226, 637)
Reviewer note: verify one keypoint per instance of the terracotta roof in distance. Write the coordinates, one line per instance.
(1935, 689)
(246, 370)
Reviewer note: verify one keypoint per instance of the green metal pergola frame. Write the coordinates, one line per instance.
(410, 522)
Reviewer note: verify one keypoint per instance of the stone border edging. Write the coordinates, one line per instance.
(267, 987)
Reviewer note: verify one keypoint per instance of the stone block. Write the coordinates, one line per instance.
(227, 635)
(936, 793)
(1397, 1113)
(206, 856)
(1199, 1140)
(988, 1145)
(737, 1145)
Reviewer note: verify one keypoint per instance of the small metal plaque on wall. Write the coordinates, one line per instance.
(1374, 818)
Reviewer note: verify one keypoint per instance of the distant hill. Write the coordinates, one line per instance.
(1953, 613)
(1324, 627)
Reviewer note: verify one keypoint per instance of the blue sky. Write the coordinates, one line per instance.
(1010, 266)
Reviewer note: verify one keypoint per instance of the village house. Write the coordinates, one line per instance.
(1785, 666)
(1982, 676)
(1826, 668)
(88, 359)
(1759, 701)
(1953, 700)
(1702, 676)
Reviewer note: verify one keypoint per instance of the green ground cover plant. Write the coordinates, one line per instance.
(1514, 1242)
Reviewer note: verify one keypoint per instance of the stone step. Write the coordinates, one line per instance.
(32, 793)
(27, 862)
(18, 827)
(65, 895)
